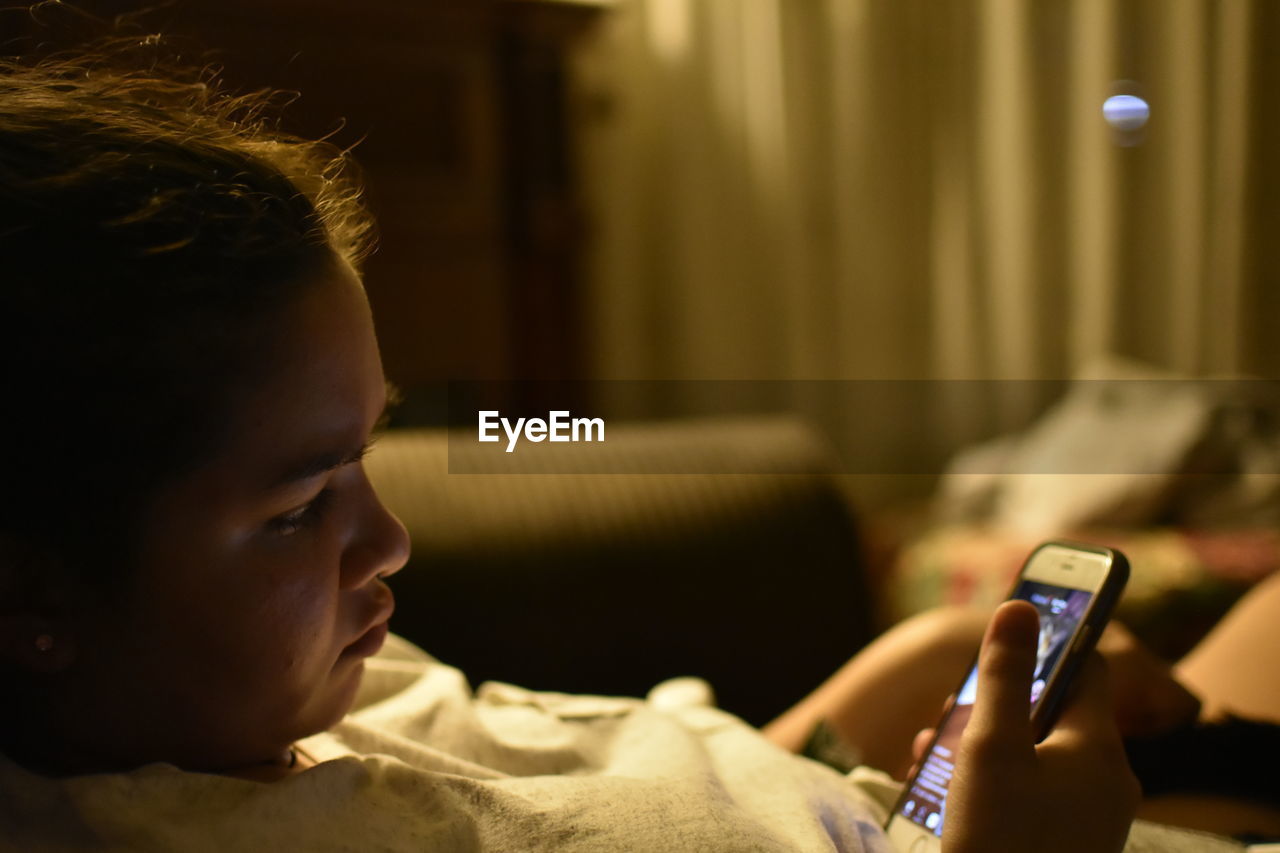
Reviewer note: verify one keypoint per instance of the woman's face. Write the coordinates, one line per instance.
(258, 572)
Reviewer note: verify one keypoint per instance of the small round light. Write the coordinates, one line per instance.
(1126, 112)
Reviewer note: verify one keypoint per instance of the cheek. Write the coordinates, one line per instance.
(265, 615)
(289, 613)
(252, 623)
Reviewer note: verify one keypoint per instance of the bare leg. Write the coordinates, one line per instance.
(891, 690)
(1236, 667)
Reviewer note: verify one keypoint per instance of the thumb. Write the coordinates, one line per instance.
(1002, 710)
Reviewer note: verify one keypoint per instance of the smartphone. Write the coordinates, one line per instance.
(1075, 587)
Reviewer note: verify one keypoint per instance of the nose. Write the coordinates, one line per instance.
(380, 547)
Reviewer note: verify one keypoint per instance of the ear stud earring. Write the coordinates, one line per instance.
(44, 642)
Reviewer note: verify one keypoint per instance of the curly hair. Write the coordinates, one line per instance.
(152, 227)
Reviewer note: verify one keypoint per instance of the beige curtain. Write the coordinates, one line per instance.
(835, 189)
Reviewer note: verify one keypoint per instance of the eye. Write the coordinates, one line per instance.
(304, 516)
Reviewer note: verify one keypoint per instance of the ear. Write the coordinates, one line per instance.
(34, 644)
(34, 633)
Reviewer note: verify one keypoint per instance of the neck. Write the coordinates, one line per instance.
(29, 738)
(56, 760)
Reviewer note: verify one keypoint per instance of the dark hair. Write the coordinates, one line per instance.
(151, 227)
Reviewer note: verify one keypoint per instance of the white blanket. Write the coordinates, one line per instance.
(424, 764)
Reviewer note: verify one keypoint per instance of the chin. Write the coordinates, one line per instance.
(344, 696)
(331, 701)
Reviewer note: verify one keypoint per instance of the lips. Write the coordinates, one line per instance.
(375, 634)
(369, 643)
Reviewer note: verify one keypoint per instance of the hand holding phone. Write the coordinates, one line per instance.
(1073, 791)
(983, 783)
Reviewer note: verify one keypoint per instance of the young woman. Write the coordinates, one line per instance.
(193, 563)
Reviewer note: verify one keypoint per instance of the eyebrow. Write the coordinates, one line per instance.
(325, 462)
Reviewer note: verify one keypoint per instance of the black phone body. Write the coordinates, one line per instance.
(1075, 588)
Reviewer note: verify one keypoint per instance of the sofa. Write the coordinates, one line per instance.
(606, 582)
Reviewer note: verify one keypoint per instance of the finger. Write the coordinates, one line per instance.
(1088, 710)
(1087, 730)
(1005, 667)
(1116, 639)
(921, 743)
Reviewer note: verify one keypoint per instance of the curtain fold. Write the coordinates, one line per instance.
(926, 189)
(1092, 190)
